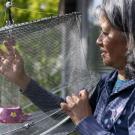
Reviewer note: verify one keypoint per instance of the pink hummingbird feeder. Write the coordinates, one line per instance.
(12, 115)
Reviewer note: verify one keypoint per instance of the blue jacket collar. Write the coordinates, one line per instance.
(111, 79)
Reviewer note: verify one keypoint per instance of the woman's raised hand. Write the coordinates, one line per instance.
(12, 65)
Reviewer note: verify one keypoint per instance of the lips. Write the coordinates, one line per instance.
(103, 51)
(103, 54)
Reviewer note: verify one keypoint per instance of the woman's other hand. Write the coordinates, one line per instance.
(77, 106)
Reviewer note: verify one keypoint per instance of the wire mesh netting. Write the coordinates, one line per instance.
(54, 56)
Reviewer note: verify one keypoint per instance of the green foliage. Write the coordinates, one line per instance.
(28, 10)
(41, 60)
(31, 109)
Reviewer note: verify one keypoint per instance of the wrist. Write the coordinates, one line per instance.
(23, 82)
(77, 121)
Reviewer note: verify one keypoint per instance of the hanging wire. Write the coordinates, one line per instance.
(8, 6)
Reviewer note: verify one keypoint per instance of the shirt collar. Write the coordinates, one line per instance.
(111, 79)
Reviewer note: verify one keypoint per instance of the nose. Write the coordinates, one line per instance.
(99, 40)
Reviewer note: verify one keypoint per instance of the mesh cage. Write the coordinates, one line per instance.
(40, 43)
(53, 56)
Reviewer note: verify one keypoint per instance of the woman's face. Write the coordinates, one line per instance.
(113, 44)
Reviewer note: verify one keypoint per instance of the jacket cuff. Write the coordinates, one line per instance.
(89, 126)
(31, 85)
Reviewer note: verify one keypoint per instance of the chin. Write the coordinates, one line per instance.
(107, 63)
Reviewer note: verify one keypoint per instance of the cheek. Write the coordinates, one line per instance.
(116, 51)
(106, 42)
(110, 53)
(108, 46)
(115, 45)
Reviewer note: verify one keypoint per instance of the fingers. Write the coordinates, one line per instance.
(9, 41)
(70, 101)
(68, 104)
(2, 55)
(12, 52)
(7, 57)
(73, 100)
(84, 94)
(17, 55)
(3, 61)
(64, 106)
(9, 48)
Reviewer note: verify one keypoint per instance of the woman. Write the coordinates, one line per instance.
(110, 110)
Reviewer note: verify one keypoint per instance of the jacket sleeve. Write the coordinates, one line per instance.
(89, 126)
(131, 123)
(45, 100)
(96, 94)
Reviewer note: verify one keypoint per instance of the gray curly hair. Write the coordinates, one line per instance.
(121, 14)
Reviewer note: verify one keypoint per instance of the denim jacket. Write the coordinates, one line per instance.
(113, 113)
